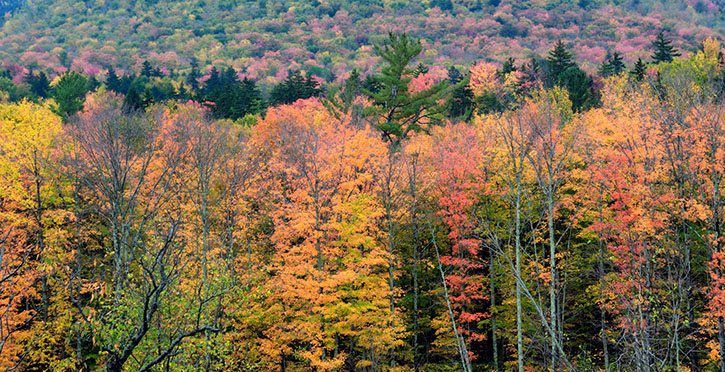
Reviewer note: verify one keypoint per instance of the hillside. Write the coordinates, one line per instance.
(264, 39)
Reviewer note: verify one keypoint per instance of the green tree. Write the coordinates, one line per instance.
(236, 99)
(579, 86)
(39, 83)
(664, 51)
(638, 71)
(192, 79)
(396, 110)
(461, 102)
(294, 87)
(612, 65)
(133, 101)
(146, 69)
(112, 81)
(559, 60)
(69, 93)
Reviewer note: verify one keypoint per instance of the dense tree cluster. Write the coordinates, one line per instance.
(513, 217)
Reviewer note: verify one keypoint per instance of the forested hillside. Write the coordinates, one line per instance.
(264, 39)
(362, 186)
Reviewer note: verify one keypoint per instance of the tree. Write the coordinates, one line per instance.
(112, 81)
(193, 77)
(236, 99)
(28, 205)
(638, 70)
(663, 49)
(461, 101)
(132, 101)
(69, 93)
(397, 112)
(39, 84)
(146, 69)
(612, 65)
(559, 60)
(294, 87)
(130, 164)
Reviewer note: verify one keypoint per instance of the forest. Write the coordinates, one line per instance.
(527, 215)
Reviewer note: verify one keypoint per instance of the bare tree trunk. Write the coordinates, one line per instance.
(552, 288)
(416, 239)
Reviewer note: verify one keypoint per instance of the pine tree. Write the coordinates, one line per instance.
(461, 103)
(638, 71)
(559, 60)
(664, 51)
(579, 86)
(112, 82)
(399, 111)
(612, 65)
(454, 76)
(69, 93)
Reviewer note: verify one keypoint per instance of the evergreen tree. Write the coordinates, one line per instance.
(664, 51)
(559, 60)
(613, 65)
(236, 99)
(398, 111)
(69, 93)
(353, 87)
(112, 82)
(146, 69)
(444, 5)
(132, 102)
(617, 63)
(371, 84)
(294, 87)
(579, 85)
(509, 66)
(192, 79)
(461, 104)
(39, 83)
(420, 69)
(454, 76)
(213, 82)
(638, 71)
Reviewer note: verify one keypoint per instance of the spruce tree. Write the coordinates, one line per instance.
(192, 79)
(112, 82)
(617, 63)
(612, 65)
(146, 69)
(39, 83)
(559, 60)
(461, 104)
(420, 69)
(664, 51)
(638, 71)
(294, 87)
(132, 102)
